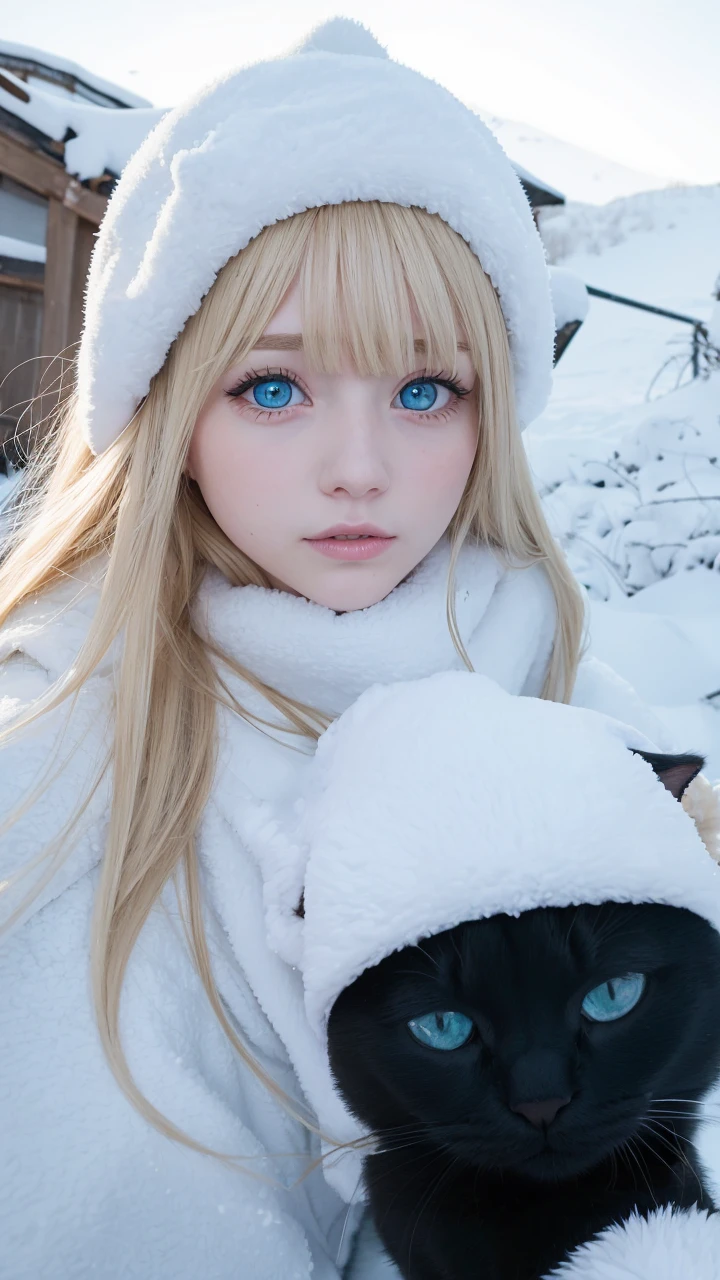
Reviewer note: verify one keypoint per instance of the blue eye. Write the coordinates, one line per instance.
(442, 1030)
(423, 395)
(275, 393)
(613, 999)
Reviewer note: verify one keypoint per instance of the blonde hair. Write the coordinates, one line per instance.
(361, 268)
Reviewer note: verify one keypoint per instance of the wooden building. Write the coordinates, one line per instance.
(48, 220)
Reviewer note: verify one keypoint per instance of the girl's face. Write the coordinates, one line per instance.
(336, 485)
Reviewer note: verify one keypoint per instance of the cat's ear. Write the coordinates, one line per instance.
(675, 772)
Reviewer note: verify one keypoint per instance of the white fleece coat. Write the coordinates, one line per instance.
(90, 1188)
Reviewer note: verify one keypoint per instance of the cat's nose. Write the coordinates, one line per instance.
(542, 1112)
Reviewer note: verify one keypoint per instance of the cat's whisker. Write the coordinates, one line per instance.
(678, 1150)
(345, 1222)
(420, 947)
(434, 1188)
(629, 1147)
(399, 1187)
(657, 1154)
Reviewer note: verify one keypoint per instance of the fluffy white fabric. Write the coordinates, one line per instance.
(447, 799)
(337, 121)
(665, 1246)
(89, 1187)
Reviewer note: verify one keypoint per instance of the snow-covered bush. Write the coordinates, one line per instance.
(585, 228)
(634, 513)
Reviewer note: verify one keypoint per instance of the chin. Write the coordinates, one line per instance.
(348, 597)
(554, 1166)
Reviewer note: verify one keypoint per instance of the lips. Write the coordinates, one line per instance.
(350, 531)
(352, 543)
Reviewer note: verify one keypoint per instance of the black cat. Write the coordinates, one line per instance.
(531, 1080)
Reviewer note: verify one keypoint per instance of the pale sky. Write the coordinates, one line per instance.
(637, 81)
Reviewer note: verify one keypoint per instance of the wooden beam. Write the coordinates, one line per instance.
(48, 178)
(59, 273)
(22, 282)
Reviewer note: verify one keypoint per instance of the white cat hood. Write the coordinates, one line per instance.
(447, 799)
(444, 799)
(336, 121)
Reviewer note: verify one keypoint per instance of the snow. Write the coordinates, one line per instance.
(54, 61)
(631, 485)
(570, 297)
(660, 247)
(107, 136)
(11, 247)
(578, 174)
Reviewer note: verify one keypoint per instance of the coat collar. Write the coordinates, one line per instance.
(325, 659)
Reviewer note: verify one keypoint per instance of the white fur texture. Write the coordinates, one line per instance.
(335, 122)
(86, 1180)
(447, 799)
(666, 1246)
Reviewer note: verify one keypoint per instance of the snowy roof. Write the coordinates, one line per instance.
(529, 179)
(105, 137)
(29, 60)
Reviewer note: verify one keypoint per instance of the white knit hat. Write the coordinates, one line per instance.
(334, 122)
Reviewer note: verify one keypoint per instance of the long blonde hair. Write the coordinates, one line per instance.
(361, 267)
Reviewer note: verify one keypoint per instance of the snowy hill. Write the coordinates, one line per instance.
(579, 174)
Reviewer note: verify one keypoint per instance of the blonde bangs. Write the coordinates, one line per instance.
(374, 296)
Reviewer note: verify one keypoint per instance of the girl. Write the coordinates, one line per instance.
(317, 316)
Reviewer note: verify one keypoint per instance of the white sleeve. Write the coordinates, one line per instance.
(599, 688)
(668, 1244)
(90, 1188)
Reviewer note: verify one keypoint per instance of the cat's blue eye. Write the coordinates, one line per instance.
(423, 395)
(274, 393)
(447, 1030)
(613, 999)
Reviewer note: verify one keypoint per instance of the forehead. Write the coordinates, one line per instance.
(339, 323)
(276, 340)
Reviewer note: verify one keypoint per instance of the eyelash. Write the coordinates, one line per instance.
(256, 376)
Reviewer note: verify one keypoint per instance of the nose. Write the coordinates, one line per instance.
(542, 1112)
(354, 464)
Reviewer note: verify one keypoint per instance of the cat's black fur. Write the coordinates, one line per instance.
(462, 1185)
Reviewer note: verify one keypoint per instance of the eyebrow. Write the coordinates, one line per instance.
(294, 342)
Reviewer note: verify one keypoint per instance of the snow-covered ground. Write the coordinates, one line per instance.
(632, 485)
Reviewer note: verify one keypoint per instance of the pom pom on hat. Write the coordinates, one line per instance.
(351, 124)
(342, 35)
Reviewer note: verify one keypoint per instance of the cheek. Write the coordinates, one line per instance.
(243, 477)
(441, 468)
